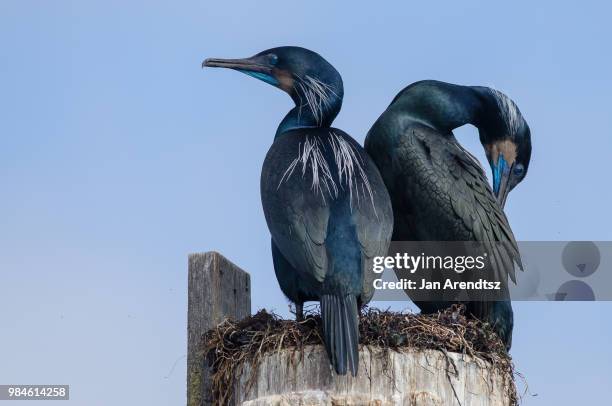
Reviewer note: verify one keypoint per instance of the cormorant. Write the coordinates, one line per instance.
(439, 191)
(324, 200)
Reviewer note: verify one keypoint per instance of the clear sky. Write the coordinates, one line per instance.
(119, 156)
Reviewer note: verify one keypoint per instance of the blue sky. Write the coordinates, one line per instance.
(119, 156)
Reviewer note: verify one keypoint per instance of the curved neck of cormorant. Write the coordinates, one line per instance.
(445, 106)
(310, 114)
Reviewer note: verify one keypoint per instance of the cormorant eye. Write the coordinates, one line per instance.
(273, 59)
(519, 169)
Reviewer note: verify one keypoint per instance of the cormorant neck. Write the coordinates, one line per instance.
(296, 119)
(440, 105)
(303, 116)
(444, 107)
(498, 116)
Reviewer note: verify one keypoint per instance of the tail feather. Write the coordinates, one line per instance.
(341, 332)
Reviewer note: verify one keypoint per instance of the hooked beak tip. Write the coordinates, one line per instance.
(502, 194)
(501, 200)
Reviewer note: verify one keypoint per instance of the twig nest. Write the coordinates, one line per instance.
(401, 354)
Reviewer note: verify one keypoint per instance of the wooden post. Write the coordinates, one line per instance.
(217, 290)
(414, 378)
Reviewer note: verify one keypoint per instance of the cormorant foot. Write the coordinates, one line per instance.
(299, 312)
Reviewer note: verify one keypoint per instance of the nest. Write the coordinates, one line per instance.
(232, 345)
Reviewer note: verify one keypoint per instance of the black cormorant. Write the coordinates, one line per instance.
(438, 190)
(324, 200)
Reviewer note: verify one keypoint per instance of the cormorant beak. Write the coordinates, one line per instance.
(253, 66)
(501, 176)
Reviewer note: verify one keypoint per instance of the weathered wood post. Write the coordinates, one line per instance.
(217, 289)
(408, 378)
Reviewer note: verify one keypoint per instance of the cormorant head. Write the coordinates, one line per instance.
(312, 82)
(506, 137)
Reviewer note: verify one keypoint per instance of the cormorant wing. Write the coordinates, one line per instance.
(460, 184)
(473, 201)
(301, 235)
(297, 215)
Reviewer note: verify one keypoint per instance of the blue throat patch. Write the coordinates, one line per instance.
(261, 76)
